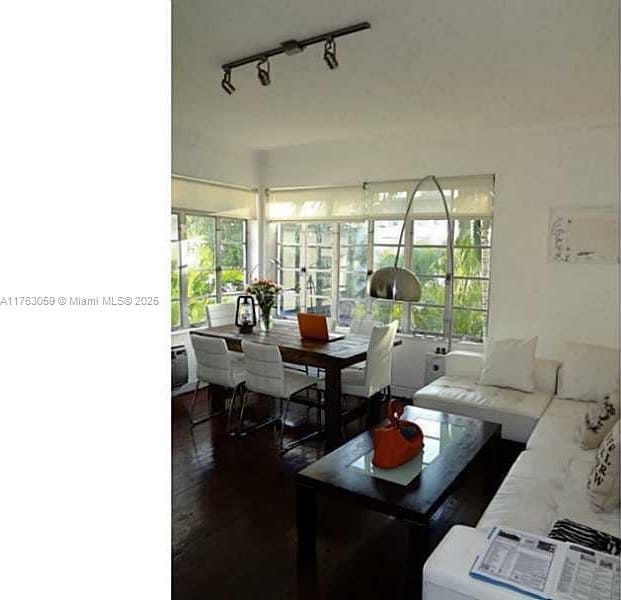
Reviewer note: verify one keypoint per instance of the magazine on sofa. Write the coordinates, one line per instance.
(545, 568)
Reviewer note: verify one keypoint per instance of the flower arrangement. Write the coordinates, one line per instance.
(264, 290)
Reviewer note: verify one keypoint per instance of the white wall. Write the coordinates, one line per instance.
(211, 159)
(535, 170)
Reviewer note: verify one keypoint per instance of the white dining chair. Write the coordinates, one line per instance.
(266, 375)
(362, 327)
(216, 365)
(376, 376)
(221, 314)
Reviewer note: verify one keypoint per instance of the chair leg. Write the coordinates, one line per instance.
(207, 417)
(283, 418)
(240, 430)
(193, 402)
(236, 391)
(240, 425)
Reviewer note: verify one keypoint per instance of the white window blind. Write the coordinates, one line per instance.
(221, 200)
(467, 197)
(315, 204)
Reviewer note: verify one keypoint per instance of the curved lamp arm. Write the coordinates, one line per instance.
(448, 309)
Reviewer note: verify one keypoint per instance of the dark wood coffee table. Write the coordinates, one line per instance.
(452, 443)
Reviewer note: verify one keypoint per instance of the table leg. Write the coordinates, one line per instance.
(306, 519)
(333, 408)
(373, 410)
(418, 549)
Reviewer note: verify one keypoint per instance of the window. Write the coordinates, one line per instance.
(208, 264)
(305, 268)
(472, 257)
(312, 255)
(289, 269)
(232, 258)
(385, 244)
(353, 271)
(471, 253)
(175, 273)
(319, 253)
(330, 238)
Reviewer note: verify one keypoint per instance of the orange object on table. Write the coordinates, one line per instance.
(397, 442)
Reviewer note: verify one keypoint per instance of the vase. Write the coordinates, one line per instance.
(266, 319)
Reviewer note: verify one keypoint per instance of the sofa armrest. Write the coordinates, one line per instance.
(461, 363)
(446, 574)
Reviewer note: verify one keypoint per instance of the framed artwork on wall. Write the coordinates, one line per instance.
(584, 235)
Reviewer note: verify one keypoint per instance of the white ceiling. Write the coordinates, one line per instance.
(425, 65)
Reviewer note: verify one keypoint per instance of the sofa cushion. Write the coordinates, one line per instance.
(540, 489)
(557, 430)
(509, 363)
(517, 412)
(587, 372)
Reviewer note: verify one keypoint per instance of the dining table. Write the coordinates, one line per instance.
(331, 356)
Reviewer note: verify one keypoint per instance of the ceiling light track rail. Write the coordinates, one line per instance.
(296, 46)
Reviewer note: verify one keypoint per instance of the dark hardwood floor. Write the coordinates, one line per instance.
(233, 518)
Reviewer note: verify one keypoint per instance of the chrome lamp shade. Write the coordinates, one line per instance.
(394, 283)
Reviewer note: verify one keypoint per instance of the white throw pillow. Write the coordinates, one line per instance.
(603, 483)
(587, 372)
(509, 363)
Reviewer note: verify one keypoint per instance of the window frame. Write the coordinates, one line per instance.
(182, 267)
(406, 324)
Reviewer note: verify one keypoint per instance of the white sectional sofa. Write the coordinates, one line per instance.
(517, 412)
(546, 483)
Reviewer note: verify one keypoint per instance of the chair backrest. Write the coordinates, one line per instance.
(214, 362)
(379, 357)
(362, 326)
(265, 369)
(221, 314)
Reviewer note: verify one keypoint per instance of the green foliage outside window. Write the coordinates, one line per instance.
(470, 260)
(429, 264)
(197, 252)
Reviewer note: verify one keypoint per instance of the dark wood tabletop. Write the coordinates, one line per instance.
(332, 356)
(424, 494)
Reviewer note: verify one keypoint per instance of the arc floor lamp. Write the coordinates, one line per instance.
(400, 284)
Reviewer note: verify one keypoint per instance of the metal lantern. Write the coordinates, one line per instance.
(245, 315)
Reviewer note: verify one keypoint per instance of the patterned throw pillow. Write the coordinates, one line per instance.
(567, 530)
(603, 483)
(599, 419)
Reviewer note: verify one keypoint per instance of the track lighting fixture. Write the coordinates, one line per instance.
(227, 86)
(263, 72)
(290, 47)
(329, 54)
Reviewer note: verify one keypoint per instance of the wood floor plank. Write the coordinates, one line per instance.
(233, 519)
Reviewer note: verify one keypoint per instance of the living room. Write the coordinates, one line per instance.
(306, 175)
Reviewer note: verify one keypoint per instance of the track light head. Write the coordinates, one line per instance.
(226, 84)
(329, 53)
(263, 71)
